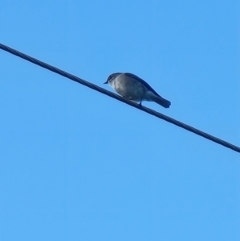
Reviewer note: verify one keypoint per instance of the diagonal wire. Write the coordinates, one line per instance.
(115, 96)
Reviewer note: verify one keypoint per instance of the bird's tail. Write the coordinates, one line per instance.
(161, 101)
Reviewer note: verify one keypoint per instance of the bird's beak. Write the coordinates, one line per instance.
(105, 82)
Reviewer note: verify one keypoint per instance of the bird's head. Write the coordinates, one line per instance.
(111, 78)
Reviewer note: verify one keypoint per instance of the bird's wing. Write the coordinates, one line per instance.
(142, 81)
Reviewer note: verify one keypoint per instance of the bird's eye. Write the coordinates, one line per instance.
(110, 77)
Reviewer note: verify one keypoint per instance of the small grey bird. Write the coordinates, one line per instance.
(131, 87)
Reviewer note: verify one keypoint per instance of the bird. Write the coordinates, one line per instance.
(133, 88)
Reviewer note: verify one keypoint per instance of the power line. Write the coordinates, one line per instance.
(115, 96)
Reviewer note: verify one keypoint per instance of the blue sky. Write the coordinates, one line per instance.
(78, 165)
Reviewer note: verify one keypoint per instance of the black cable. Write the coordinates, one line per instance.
(115, 96)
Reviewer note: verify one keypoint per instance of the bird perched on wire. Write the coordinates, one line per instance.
(131, 87)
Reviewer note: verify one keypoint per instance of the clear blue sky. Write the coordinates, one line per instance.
(78, 165)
